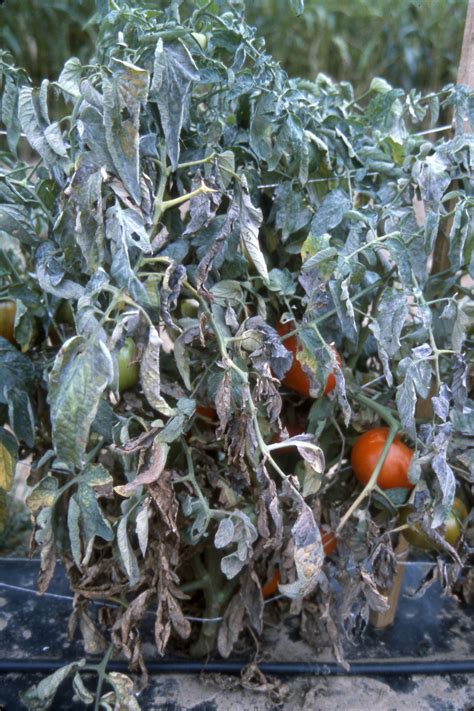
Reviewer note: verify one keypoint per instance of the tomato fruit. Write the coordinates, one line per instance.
(365, 455)
(329, 541)
(451, 528)
(200, 38)
(206, 411)
(7, 320)
(129, 371)
(296, 379)
(459, 509)
(271, 586)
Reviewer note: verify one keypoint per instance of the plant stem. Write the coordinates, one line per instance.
(184, 198)
(101, 671)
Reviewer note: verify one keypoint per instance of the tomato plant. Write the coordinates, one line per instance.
(7, 320)
(365, 455)
(129, 369)
(235, 204)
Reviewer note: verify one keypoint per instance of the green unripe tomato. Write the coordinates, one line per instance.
(200, 38)
(129, 371)
(452, 527)
(189, 308)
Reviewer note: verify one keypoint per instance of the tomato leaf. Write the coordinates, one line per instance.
(80, 374)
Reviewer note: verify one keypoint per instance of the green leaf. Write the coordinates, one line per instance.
(15, 222)
(8, 459)
(43, 495)
(16, 370)
(80, 374)
(20, 415)
(281, 281)
(93, 521)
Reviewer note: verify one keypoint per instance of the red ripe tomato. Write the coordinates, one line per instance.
(296, 379)
(7, 320)
(365, 455)
(329, 541)
(271, 586)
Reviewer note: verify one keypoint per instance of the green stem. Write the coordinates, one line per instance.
(192, 163)
(101, 671)
(166, 204)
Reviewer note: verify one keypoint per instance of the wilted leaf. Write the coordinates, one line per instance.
(125, 89)
(8, 459)
(80, 374)
(41, 696)
(173, 72)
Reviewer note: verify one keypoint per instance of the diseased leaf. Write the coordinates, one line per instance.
(331, 212)
(80, 374)
(250, 219)
(173, 73)
(127, 553)
(8, 459)
(125, 89)
(41, 696)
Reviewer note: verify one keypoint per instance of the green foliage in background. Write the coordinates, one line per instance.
(412, 43)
